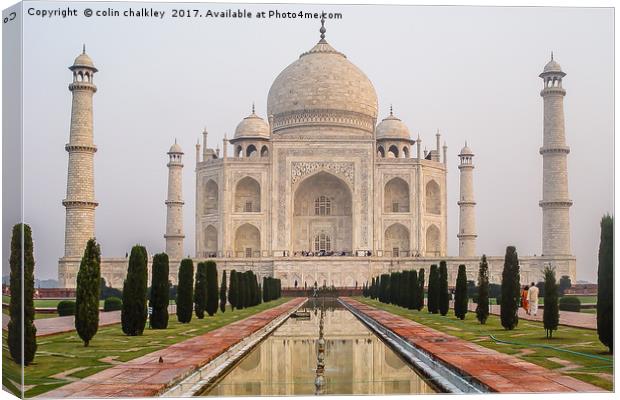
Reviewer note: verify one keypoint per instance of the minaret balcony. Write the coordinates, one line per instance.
(554, 149)
(82, 86)
(79, 204)
(555, 203)
(553, 90)
(80, 148)
(466, 203)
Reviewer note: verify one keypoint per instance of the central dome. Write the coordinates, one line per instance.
(322, 88)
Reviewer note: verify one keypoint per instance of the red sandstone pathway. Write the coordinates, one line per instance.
(568, 318)
(499, 372)
(146, 377)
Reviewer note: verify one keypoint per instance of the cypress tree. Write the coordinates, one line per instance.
(242, 291)
(433, 290)
(403, 288)
(19, 328)
(460, 293)
(482, 307)
(393, 288)
(257, 294)
(223, 293)
(212, 288)
(251, 288)
(134, 313)
(385, 287)
(185, 291)
(232, 289)
(420, 299)
(87, 293)
(265, 289)
(160, 291)
(511, 290)
(551, 312)
(200, 290)
(444, 295)
(413, 290)
(260, 293)
(605, 296)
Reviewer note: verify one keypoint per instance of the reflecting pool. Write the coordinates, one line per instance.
(294, 361)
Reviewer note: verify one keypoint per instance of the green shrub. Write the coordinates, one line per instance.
(112, 304)
(159, 298)
(460, 293)
(605, 297)
(444, 295)
(65, 307)
(22, 340)
(134, 310)
(511, 290)
(200, 290)
(568, 303)
(185, 291)
(87, 293)
(212, 288)
(551, 316)
(482, 297)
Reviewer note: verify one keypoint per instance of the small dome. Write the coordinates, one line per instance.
(392, 128)
(252, 126)
(175, 148)
(552, 66)
(83, 61)
(466, 151)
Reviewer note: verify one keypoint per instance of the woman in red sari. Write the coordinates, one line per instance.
(524, 302)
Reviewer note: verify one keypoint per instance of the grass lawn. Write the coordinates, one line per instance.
(528, 334)
(65, 353)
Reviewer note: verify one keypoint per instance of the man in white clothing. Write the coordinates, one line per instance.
(532, 298)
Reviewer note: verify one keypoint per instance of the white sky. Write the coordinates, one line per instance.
(472, 72)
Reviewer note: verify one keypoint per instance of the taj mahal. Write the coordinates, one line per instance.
(322, 189)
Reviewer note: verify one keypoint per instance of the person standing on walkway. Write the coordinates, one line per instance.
(524, 302)
(532, 299)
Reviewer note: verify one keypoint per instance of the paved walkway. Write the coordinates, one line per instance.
(568, 318)
(499, 372)
(52, 326)
(147, 377)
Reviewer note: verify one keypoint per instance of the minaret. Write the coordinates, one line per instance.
(555, 202)
(80, 201)
(174, 218)
(467, 206)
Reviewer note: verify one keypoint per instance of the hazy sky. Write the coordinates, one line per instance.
(471, 72)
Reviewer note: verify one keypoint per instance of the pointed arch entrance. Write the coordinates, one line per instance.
(322, 210)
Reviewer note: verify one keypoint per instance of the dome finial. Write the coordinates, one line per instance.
(253, 110)
(391, 111)
(84, 48)
(323, 30)
(552, 55)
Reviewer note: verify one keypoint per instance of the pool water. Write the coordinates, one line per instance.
(356, 362)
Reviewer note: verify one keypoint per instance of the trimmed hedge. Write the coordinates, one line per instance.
(112, 304)
(66, 307)
(570, 304)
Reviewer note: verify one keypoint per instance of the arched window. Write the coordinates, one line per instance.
(381, 152)
(247, 195)
(405, 152)
(433, 198)
(396, 196)
(210, 241)
(211, 197)
(322, 206)
(433, 242)
(239, 152)
(393, 152)
(322, 242)
(251, 151)
(264, 151)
